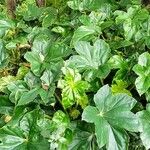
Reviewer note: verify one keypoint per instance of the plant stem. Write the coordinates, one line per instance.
(11, 7)
(61, 103)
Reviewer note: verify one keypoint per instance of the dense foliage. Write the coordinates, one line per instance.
(75, 75)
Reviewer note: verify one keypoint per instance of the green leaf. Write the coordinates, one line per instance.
(19, 41)
(31, 80)
(45, 55)
(131, 20)
(119, 43)
(22, 71)
(129, 30)
(84, 137)
(147, 94)
(16, 88)
(144, 59)
(24, 134)
(40, 44)
(118, 62)
(36, 60)
(6, 24)
(4, 81)
(36, 31)
(31, 13)
(57, 51)
(59, 138)
(73, 88)
(28, 97)
(12, 138)
(6, 107)
(50, 16)
(3, 55)
(144, 117)
(47, 95)
(120, 87)
(102, 72)
(47, 78)
(84, 33)
(90, 57)
(142, 69)
(86, 4)
(111, 117)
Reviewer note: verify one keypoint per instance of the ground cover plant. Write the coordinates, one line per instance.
(74, 75)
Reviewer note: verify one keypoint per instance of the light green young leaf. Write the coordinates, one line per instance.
(73, 88)
(120, 87)
(22, 71)
(111, 117)
(75, 4)
(118, 62)
(58, 29)
(4, 81)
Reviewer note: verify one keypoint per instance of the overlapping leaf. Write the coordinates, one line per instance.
(45, 55)
(23, 134)
(61, 134)
(91, 58)
(142, 69)
(145, 130)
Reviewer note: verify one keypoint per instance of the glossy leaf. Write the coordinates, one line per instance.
(83, 32)
(90, 57)
(84, 138)
(111, 117)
